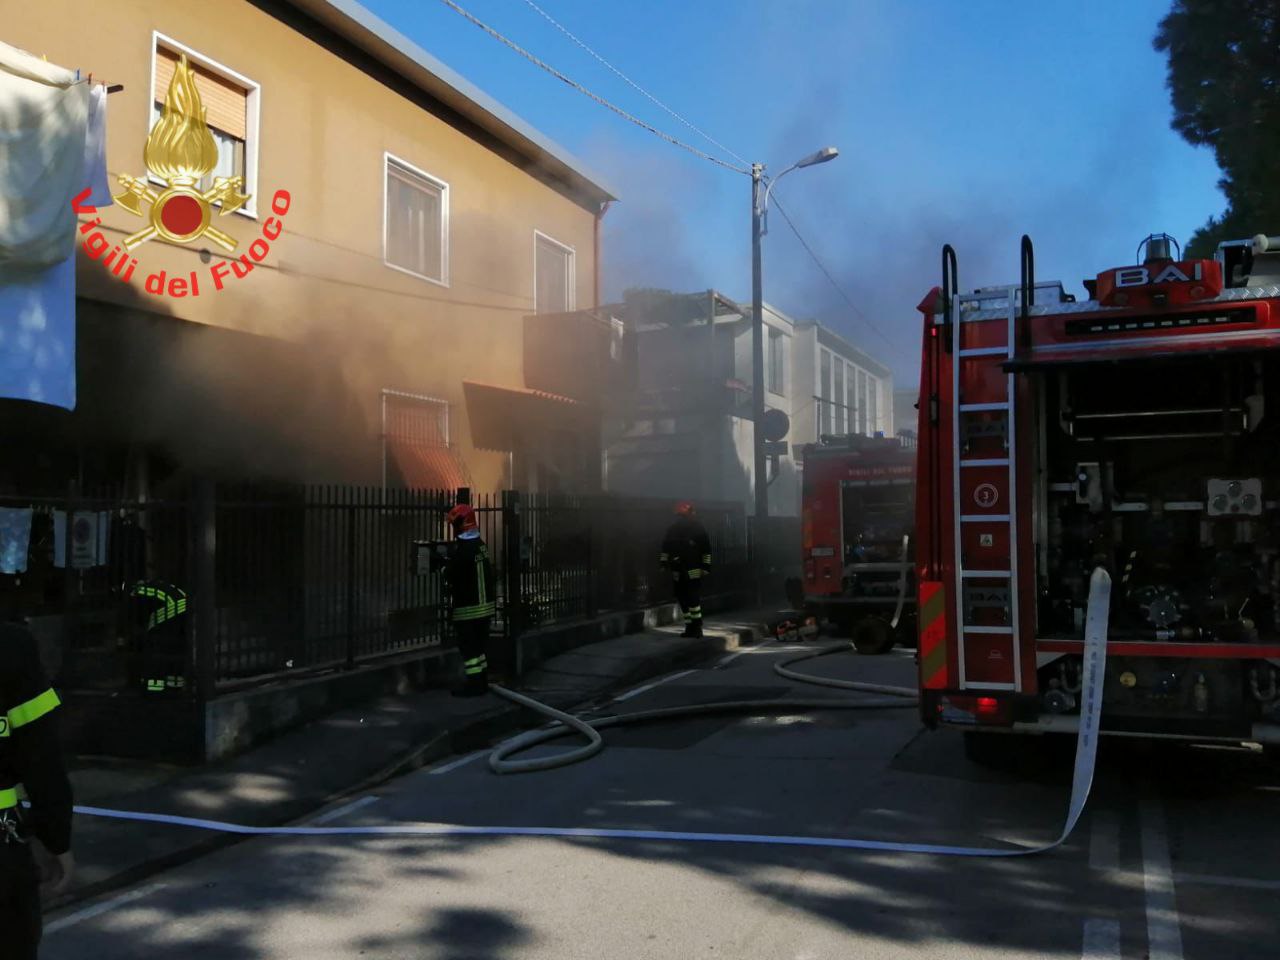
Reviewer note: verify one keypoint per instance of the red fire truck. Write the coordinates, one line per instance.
(858, 502)
(1140, 430)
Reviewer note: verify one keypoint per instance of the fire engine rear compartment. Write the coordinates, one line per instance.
(1168, 472)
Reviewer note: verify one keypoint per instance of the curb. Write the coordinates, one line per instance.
(475, 733)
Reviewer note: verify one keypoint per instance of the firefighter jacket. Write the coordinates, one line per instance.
(472, 585)
(686, 549)
(29, 750)
(154, 603)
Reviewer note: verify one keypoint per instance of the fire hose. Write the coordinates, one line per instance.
(1082, 779)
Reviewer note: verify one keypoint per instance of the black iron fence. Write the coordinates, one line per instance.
(292, 579)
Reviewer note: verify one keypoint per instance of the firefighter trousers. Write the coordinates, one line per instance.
(20, 922)
(473, 637)
(689, 596)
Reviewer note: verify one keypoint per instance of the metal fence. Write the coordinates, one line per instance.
(291, 579)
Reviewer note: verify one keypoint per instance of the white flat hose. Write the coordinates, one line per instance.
(499, 763)
(782, 670)
(1095, 659)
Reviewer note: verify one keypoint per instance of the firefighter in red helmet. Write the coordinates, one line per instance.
(470, 578)
(686, 552)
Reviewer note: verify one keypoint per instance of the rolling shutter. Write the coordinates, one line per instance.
(225, 102)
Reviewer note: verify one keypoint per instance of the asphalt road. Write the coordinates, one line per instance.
(1176, 857)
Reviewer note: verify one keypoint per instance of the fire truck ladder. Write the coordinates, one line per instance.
(1003, 491)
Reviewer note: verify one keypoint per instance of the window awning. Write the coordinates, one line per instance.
(423, 466)
(501, 416)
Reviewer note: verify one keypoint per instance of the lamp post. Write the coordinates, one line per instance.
(759, 227)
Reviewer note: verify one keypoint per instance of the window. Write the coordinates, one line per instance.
(824, 374)
(838, 403)
(777, 359)
(553, 275)
(417, 219)
(874, 404)
(862, 402)
(851, 398)
(231, 112)
(416, 453)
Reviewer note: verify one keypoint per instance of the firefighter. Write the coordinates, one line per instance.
(471, 581)
(155, 623)
(35, 843)
(686, 552)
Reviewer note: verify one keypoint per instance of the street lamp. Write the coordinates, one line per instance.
(759, 211)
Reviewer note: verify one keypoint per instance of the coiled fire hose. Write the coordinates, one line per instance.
(568, 723)
(1095, 658)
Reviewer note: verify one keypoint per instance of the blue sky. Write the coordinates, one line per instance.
(964, 123)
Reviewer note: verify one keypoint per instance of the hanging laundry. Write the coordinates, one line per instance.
(15, 539)
(44, 115)
(37, 302)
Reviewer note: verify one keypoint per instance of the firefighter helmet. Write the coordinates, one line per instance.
(463, 518)
(684, 508)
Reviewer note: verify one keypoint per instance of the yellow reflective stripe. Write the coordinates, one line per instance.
(480, 591)
(695, 574)
(475, 613)
(8, 798)
(33, 709)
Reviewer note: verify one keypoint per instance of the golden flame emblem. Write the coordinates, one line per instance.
(180, 151)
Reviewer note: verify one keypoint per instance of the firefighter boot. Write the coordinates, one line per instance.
(689, 629)
(695, 628)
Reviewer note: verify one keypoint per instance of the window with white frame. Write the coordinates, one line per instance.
(777, 363)
(416, 226)
(553, 275)
(824, 404)
(862, 402)
(837, 406)
(851, 398)
(231, 111)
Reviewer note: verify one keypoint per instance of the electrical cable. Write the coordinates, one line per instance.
(583, 90)
(635, 86)
(827, 273)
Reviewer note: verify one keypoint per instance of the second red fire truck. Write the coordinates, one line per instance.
(1138, 430)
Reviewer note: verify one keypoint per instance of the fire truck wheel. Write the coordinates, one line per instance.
(871, 635)
(993, 750)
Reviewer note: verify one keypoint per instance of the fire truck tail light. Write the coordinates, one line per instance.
(988, 706)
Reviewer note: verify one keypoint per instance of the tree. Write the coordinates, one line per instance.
(1224, 82)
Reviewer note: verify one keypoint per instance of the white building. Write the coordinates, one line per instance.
(689, 433)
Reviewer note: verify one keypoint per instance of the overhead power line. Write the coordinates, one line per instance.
(635, 86)
(827, 273)
(583, 90)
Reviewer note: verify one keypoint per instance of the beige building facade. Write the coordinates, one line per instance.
(399, 229)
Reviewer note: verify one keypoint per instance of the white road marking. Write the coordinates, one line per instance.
(1101, 939)
(330, 815)
(455, 764)
(1164, 931)
(1104, 841)
(1215, 881)
(98, 909)
(649, 686)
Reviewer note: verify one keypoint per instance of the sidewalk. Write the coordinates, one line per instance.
(350, 751)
